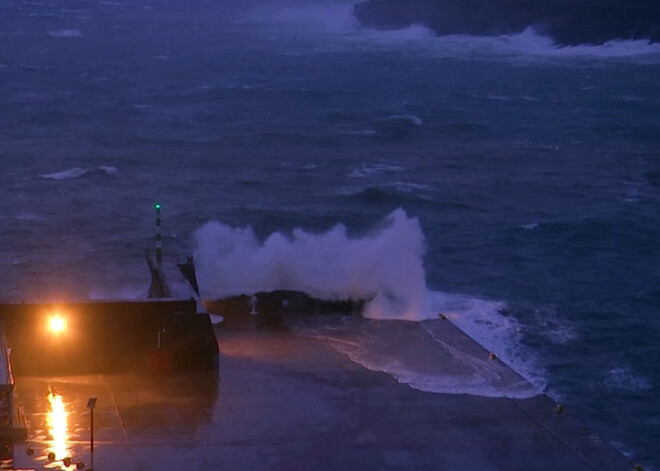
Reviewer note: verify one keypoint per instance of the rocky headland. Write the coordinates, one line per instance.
(567, 22)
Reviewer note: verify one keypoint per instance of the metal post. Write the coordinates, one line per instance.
(159, 333)
(90, 405)
(159, 237)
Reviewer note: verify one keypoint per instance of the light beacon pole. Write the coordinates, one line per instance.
(90, 405)
(159, 237)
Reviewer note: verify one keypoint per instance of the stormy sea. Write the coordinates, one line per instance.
(505, 182)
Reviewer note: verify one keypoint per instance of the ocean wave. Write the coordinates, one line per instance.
(77, 172)
(385, 266)
(551, 327)
(361, 132)
(397, 193)
(530, 42)
(404, 118)
(393, 127)
(624, 379)
(65, 33)
(527, 43)
(367, 169)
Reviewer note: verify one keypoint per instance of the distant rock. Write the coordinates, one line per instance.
(567, 22)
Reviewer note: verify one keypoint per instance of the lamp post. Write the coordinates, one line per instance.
(159, 237)
(90, 405)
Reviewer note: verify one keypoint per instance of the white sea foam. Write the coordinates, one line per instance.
(532, 43)
(625, 379)
(74, 172)
(77, 172)
(527, 44)
(109, 170)
(428, 355)
(28, 216)
(409, 187)
(385, 266)
(484, 321)
(551, 326)
(65, 33)
(405, 118)
(362, 132)
(367, 169)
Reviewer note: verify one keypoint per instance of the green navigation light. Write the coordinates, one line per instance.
(157, 206)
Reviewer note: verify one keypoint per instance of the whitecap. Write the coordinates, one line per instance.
(65, 33)
(77, 172)
(631, 98)
(109, 170)
(362, 132)
(371, 169)
(530, 226)
(349, 190)
(74, 172)
(409, 187)
(522, 46)
(28, 217)
(625, 379)
(405, 118)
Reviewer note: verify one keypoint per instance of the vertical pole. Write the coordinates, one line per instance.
(91, 434)
(159, 237)
(91, 404)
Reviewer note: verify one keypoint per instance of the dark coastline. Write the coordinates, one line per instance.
(566, 22)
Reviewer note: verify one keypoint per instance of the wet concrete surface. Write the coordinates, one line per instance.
(282, 401)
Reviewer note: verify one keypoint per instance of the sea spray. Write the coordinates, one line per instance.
(384, 267)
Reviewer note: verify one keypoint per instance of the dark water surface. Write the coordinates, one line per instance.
(534, 171)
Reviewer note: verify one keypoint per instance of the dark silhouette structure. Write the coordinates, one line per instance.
(567, 22)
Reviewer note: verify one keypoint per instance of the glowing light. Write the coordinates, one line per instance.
(57, 324)
(57, 422)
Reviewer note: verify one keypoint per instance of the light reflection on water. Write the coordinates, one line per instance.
(57, 423)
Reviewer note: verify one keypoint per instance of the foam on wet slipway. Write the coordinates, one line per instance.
(432, 355)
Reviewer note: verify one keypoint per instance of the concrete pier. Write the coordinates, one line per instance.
(286, 401)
